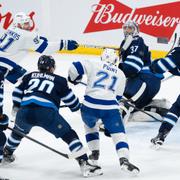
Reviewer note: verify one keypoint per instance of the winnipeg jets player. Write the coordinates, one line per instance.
(15, 43)
(38, 98)
(142, 84)
(105, 86)
(170, 63)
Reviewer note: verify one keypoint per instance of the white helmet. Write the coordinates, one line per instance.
(130, 28)
(110, 56)
(21, 18)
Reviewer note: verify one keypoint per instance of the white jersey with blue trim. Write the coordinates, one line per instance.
(105, 83)
(15, 43)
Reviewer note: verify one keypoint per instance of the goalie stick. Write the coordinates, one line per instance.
(128, 103)
(125, 46)
(67, 156)
(98, 46)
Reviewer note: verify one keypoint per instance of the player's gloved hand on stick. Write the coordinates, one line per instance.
(75, 81)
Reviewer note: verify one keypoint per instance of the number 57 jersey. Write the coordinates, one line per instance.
(105, 83)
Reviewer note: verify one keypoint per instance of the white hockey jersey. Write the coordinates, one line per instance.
(16, 43)
(105, 83)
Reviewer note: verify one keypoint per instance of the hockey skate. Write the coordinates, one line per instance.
(8, 156)
(158, 141)
(126, 166)
(94, 156)
(89, 170)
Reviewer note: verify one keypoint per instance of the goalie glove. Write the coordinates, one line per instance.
(4, 120)
(68, 45)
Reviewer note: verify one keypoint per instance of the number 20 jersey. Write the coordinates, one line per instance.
(44, 89)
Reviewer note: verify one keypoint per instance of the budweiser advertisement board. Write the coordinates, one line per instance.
(157, 20)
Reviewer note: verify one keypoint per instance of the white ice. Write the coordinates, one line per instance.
(34, 162)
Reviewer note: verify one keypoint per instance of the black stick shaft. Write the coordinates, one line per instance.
(37, 142)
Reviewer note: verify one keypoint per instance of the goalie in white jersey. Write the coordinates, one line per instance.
(15, 43)
(105, 86)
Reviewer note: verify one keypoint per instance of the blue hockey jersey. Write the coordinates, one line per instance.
(44, 89)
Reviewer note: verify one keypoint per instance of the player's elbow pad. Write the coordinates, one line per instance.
(155, 68)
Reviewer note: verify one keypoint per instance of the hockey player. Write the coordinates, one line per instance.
(37, 101)
(105, 86)
(15, 43)
(142, 84)
(170, 63)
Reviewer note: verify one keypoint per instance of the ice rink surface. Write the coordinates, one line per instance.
(34, 162)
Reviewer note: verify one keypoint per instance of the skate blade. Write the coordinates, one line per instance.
(7, 164)
(98, 172)
(156, 147)
(134, 172)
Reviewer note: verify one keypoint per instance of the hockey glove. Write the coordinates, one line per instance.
(76, 81)
(15, 74)
(4, 120)
(68, 45)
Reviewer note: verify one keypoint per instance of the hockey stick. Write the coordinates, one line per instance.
(175, 37)
(128, 102)
(98, 46)
(63, 106)
(67, 156)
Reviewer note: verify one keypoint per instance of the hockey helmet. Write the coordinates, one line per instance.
(130, 28)
(46, 63)
(109, 55)
(20, 19)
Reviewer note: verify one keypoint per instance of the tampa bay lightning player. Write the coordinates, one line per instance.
(37, 100)
(105, 86)
(170, 63)
(142, 84)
